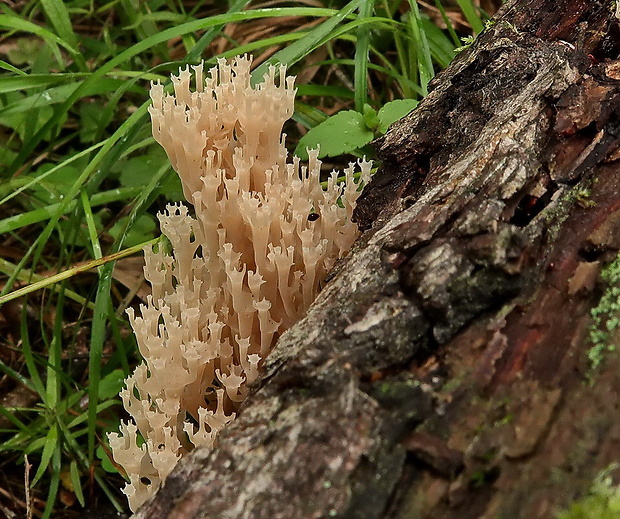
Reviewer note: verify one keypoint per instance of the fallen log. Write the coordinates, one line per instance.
(452, 368)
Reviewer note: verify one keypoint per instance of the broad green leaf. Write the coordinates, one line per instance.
(393, 111)
(342, 133)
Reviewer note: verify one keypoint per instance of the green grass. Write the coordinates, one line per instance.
(81, 181)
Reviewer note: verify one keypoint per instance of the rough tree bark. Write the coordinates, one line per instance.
(442, 372)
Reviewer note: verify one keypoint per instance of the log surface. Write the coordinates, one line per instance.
(443, 372)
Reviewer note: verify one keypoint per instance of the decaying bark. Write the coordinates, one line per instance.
(442, 372)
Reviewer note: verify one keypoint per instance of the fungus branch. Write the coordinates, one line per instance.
(241, 271)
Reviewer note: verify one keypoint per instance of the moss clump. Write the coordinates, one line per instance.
(605, 317)
(601, 502)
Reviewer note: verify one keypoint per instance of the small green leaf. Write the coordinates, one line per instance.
(13, 22)
(370, 117)
(106, 463)
(30, 121)
(144, 226)
(171, 188)
(56, 184)
(25, 51)
(92, 114)
(111, 385)
(393, 111)
(341, 133)
(138, 171)
(81, 238)
(6, 156)
(62, 178)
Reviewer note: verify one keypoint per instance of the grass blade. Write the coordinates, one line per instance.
(38, 215)
(57, 14)
(311, 41)
(423, 53)
(11, 68)
(31, 363)
(209, 35)
(361, 56)
(444, 16)
(472, 17)
(156, 39)
(49, 448)
(54, 483)
(97, 339)
(75, 482)
(66, 274)
(18, 24)
(54, 366)
(13, 191)
(92, 227)
(27, 81)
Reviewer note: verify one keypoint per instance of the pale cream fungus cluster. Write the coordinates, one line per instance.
(241, 271)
